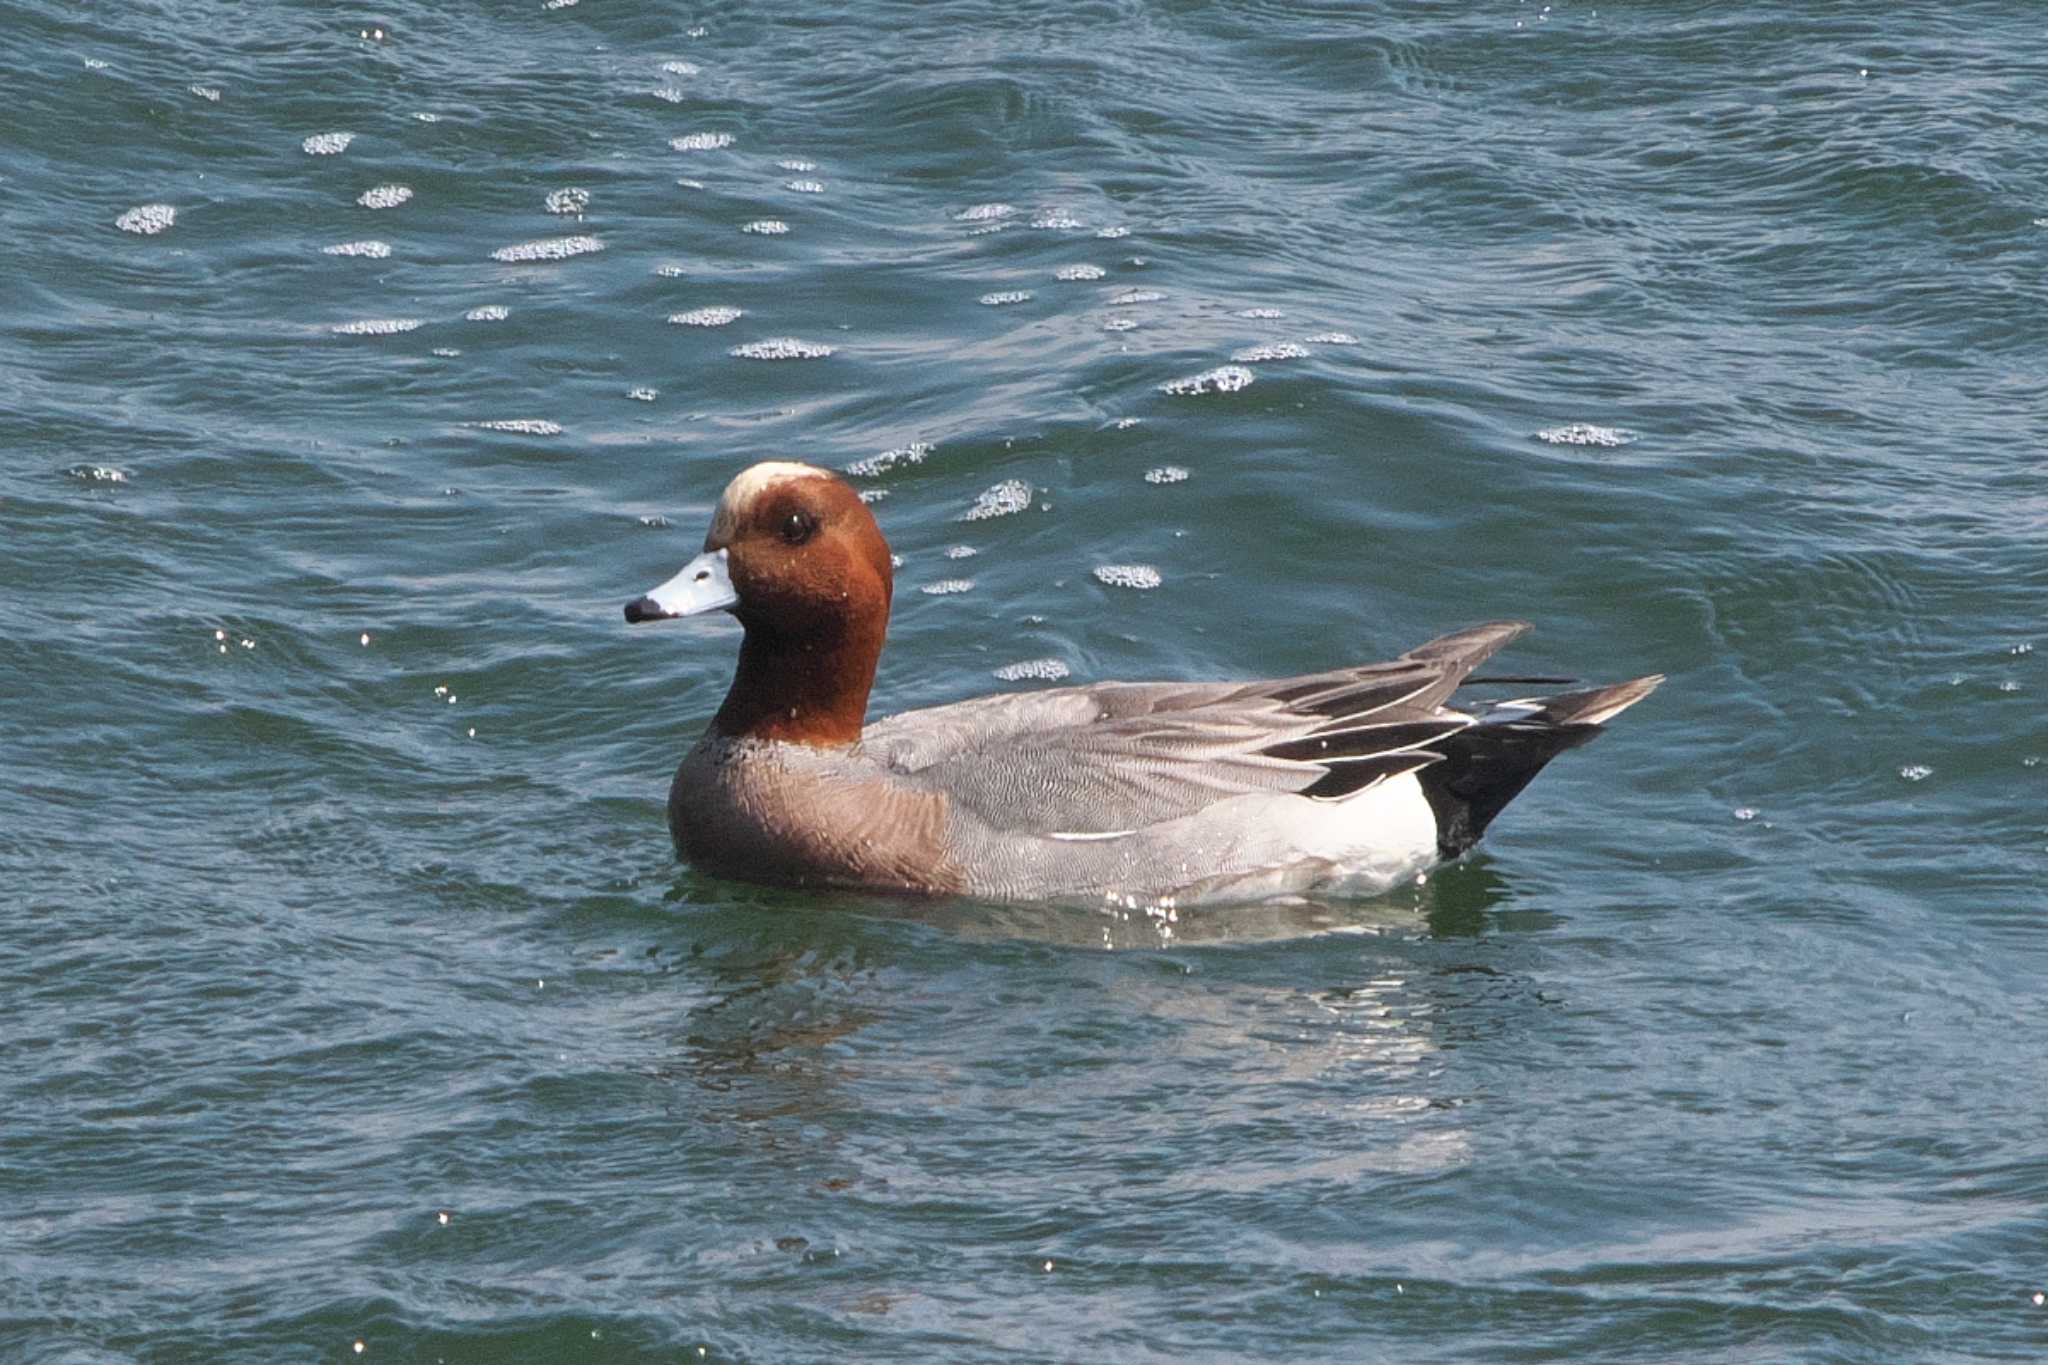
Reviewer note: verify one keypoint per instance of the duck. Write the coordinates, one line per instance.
(1346, 782)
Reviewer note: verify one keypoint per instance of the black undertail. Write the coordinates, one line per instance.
(1483, 769)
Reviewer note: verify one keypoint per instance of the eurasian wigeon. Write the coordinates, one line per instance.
(1346, 782)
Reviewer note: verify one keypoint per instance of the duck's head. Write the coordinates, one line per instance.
(795, 554)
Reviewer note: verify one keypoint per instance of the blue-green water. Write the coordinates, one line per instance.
(338, 897)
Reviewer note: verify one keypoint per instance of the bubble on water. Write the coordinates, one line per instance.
(1332, 339)
(1079, 272)
(1916, 772)
(490, 312)
(1058, 219)
(1585, 434)
(917, 452)
(781, 348)
(1112, 233)
(946, 587)
(1746, 812)
(1166, 473)
(384, 196)
(1004, 499)
(1260, 313)
(643, 395)
(1222, 379)
(147, 219)
(701, 142)
(804, 186)
(1007, 296)
(521, 426)
(1119, 324)
(766, 227)
(1043, 670)
(797, 164)
(1140, 576)
(2023, 647)
(548, 249)
(569, 199)
(2040, 1298)
(984, 213)
(2031, 761)
(327, 144)
(97, 473)
(713, 315)
(374, 250)
(1277, 350)
(1131, 297)
(375, 327)
(209, 93)
(681, 68)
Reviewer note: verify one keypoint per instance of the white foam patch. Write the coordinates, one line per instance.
(1043, 670)
(1079, 272)
(781, 348)
(1276, 350)
(681, 68)
(1056, 219)
(1166, 473)
(669, 93)
(490, 312)
(946, 587)
(209, 93)
(97, 473)
(569, 199)
(713, 315)
(766, 227)
(643, 395)
(1139, 576)
(983, 213)
(1112, 233)
(147, 220)
(1007, 498)
(384, 196)
(1916, 772)
(374, 250)
(794, 164)
(1222, 379)
(701, 142)
(1008, 296)
(669, 272)
(1260, 313)
(327, 144)
(1119, 324)
(521, 426)
(1585, 434)
(917, 452)
(549, 249)
(1332, 339)
(804, 186)
(376, 327)
(1131, 297)
(961, 552)
(688, 184)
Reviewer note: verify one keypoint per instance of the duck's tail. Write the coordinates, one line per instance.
(1485, 766)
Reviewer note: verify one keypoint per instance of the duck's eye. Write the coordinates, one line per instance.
(798, 527)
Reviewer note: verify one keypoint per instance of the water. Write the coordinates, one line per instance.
(330, 780)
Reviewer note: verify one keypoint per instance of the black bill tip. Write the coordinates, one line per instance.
(644, 609)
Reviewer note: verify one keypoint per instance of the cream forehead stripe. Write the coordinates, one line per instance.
(750, 484)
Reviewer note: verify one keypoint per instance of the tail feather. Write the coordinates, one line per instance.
(1486, 765)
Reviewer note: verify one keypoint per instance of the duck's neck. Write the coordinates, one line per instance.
(806, 690)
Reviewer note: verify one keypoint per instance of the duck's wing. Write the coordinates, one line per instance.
(1116, 757)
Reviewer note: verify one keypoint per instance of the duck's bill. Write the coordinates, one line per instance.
(703, 585)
